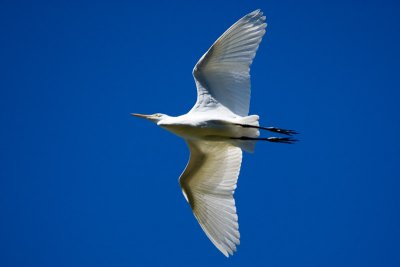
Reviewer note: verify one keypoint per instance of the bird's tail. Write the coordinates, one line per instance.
(252, 132)
(249, 132)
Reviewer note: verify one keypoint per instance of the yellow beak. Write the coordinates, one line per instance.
(140, 115)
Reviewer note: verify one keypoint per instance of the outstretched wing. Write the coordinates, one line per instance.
(222, 74)
(208, 184)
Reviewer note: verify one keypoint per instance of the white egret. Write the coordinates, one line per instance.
(218, 127)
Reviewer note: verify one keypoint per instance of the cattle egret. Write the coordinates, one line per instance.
(218, 128)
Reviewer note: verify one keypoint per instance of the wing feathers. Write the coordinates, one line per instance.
(208, 182)
(222, 77)
(222, 74)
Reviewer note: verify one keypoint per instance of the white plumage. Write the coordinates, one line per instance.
(222, 74)
(208, 183)
(218, 127)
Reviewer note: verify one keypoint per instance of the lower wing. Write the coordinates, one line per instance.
(208, 183)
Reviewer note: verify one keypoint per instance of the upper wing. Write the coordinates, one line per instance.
(222, 74)
(208, 184)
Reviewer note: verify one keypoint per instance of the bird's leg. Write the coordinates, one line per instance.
(284, 140)
(271, 129)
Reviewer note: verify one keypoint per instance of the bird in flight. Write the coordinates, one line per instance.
(218, 128)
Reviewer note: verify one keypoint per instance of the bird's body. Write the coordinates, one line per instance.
(198, 127)
(218, 127)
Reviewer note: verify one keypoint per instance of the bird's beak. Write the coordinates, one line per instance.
(140, 115)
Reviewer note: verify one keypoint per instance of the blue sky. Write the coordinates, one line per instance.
(82, 183)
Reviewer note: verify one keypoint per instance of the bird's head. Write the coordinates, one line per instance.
(153, 117)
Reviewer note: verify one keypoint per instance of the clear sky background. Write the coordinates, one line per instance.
(82, 183)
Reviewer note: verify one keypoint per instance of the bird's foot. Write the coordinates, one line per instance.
(281, 131)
